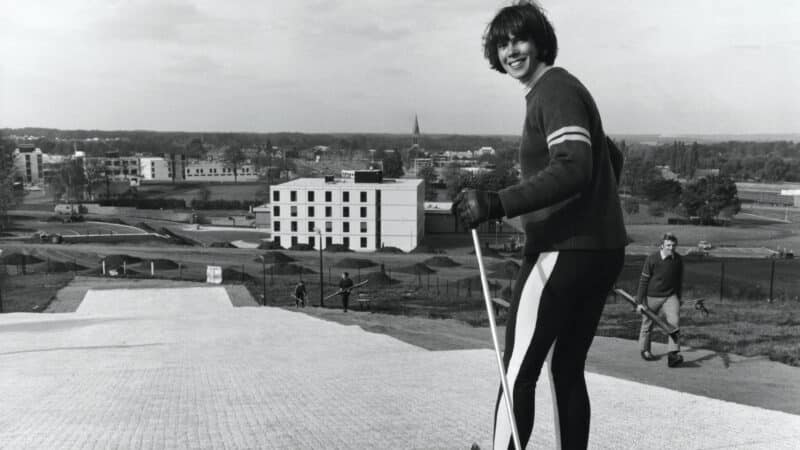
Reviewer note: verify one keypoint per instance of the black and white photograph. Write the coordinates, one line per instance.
(374, 224)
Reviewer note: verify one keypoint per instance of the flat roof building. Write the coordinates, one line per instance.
(363, 213)
(28, 163)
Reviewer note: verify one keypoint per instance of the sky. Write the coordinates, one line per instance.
(653, 67)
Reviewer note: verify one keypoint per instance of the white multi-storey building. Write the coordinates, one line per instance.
(28, 163)
(362, 213)
(155, 168)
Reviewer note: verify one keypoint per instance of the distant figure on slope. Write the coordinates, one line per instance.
(574, 232)
(660, 289)
(345, 284)
(300, 294)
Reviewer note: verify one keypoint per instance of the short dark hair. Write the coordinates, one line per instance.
(346, 274)
(669, 237)
(525, 20)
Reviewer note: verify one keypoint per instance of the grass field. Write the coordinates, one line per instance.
(31, 293)
(191, 191)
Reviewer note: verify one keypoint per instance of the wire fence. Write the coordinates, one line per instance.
(437, 292)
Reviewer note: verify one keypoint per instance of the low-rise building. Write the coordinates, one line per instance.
(363, 213)
(155, 168)
(116, 167)
(28, 163)
(219, 171)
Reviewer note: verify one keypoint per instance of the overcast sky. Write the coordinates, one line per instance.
(678, 66)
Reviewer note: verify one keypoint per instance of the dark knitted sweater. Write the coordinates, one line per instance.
(661, 277)
(567, 195)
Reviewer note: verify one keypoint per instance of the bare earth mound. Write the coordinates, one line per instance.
(441, 261)
(274, 258)
(378, 279)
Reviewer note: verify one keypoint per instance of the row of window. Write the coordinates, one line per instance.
(328, 241)
(276, 226)
(276, 211)
(276, 196)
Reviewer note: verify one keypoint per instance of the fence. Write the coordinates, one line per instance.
(444, 293)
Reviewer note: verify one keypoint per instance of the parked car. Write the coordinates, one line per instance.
(704, 245)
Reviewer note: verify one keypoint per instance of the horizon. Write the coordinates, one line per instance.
(684, 68)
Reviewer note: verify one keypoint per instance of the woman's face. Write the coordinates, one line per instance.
(518, 58)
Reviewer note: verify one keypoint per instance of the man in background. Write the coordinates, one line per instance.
(660, 289)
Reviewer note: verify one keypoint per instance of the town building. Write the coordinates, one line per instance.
(115, 166)
(363, 213)
(155, 168)
(420, 163)
(28, 163)
(219, 171)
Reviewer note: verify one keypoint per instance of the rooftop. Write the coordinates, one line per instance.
(397, 183)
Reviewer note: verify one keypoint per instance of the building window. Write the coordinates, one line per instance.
(363, 211)
(294, 226)
(276, 226)
(346, 211)
(345, 196)
(276, 211)
(276, 195)
(328, 241)
(293, 211)
(363, 242)
(292, 196)
(294, 241)
(328, 227)
(310, 211)
(311, 226)
(328, 211)
(345, 227)
(277, 240)
(311, 241)
(346, 242)
(311, 196)
(328, 196)
(363, 197)
(363, 227)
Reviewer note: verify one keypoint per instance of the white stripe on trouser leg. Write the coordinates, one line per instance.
(553, 393)
(524, 327)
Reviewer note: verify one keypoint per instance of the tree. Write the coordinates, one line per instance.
(710, 196)
(233, 158)
(429, 175)
(95, 173)
(10, 194)
(667, 192)
(392, 165)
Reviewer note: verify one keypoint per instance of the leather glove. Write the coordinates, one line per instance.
(473, 207)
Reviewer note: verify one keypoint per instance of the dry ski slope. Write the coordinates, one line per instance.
(182, 368)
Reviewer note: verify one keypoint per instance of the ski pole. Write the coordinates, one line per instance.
(490, 310)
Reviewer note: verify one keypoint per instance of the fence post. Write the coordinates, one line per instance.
(152, 269)
(264, 281)
(771, 279)
(721, 280)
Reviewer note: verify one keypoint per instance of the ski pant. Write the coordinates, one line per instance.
(557, 302)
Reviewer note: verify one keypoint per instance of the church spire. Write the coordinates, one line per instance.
(415, 137)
